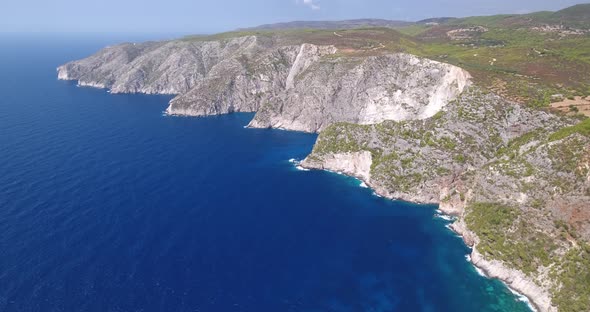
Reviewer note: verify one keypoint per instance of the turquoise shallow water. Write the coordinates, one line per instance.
(107, 205)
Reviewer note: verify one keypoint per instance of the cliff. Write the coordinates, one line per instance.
(302, 87)
(362, 90)
(517, 178)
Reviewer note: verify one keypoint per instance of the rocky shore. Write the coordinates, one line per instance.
(358, 166)
(479, 151)
(516, 178)
(303, 87)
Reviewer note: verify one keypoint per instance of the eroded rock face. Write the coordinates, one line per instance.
(239, 84)
(355, 164)
(172, 67)
(417, 160)
(363, 91)
(302, 87)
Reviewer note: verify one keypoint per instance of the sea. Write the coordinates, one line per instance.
(107, 204)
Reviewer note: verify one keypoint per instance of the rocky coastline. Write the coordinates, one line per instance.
(352, 166)
(410, 128)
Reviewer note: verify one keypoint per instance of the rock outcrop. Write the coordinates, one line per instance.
(354, 164)
(524, 169)
(297, 87)
(363, 90)
(514, 279)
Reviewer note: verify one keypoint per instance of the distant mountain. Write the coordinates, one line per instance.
(345, 24)
(436, 20)
(576, 13)
(577, 16)
(574, 16)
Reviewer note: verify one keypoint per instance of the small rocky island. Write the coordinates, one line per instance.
(412, 126)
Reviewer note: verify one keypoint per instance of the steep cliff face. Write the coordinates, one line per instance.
(172, 67)
(363, 91)
(516, 178)
(411, 158)
(355, 164)
(302, 87)
(241, 83)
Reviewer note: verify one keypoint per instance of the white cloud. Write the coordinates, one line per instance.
(310, 3)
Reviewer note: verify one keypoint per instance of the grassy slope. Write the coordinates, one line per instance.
(529, 65)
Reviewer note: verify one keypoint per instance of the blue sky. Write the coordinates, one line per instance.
(196, 16)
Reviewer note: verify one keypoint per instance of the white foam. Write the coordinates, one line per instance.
(363, 185)
(523, 298)
(297, 164)
(480, 271)
(375, 194)
(519, 296)
(301, 168)
(450, 227)
(444, 217)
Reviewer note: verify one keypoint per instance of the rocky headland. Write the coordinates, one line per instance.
(302, 87)
(516, 178)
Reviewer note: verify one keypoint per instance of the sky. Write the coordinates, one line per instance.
(210, 16)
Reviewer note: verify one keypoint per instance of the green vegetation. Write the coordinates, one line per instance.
(338, 138)
(512, 149)
(413, 30)
(513, 54)
(573, 278)
(566, 156)
(504, 237)
(447, 143)
(582, 128)
(510, 56)
(517, 61)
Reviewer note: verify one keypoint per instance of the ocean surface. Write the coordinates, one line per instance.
(107, 205)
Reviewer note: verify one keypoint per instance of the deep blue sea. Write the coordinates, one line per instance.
(107, 205)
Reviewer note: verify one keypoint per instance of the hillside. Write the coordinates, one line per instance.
(539, 59)
(345, 24)
(482, 115)
(516, 178)
(535, 59)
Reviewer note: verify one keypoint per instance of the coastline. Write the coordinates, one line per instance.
(537, 299)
